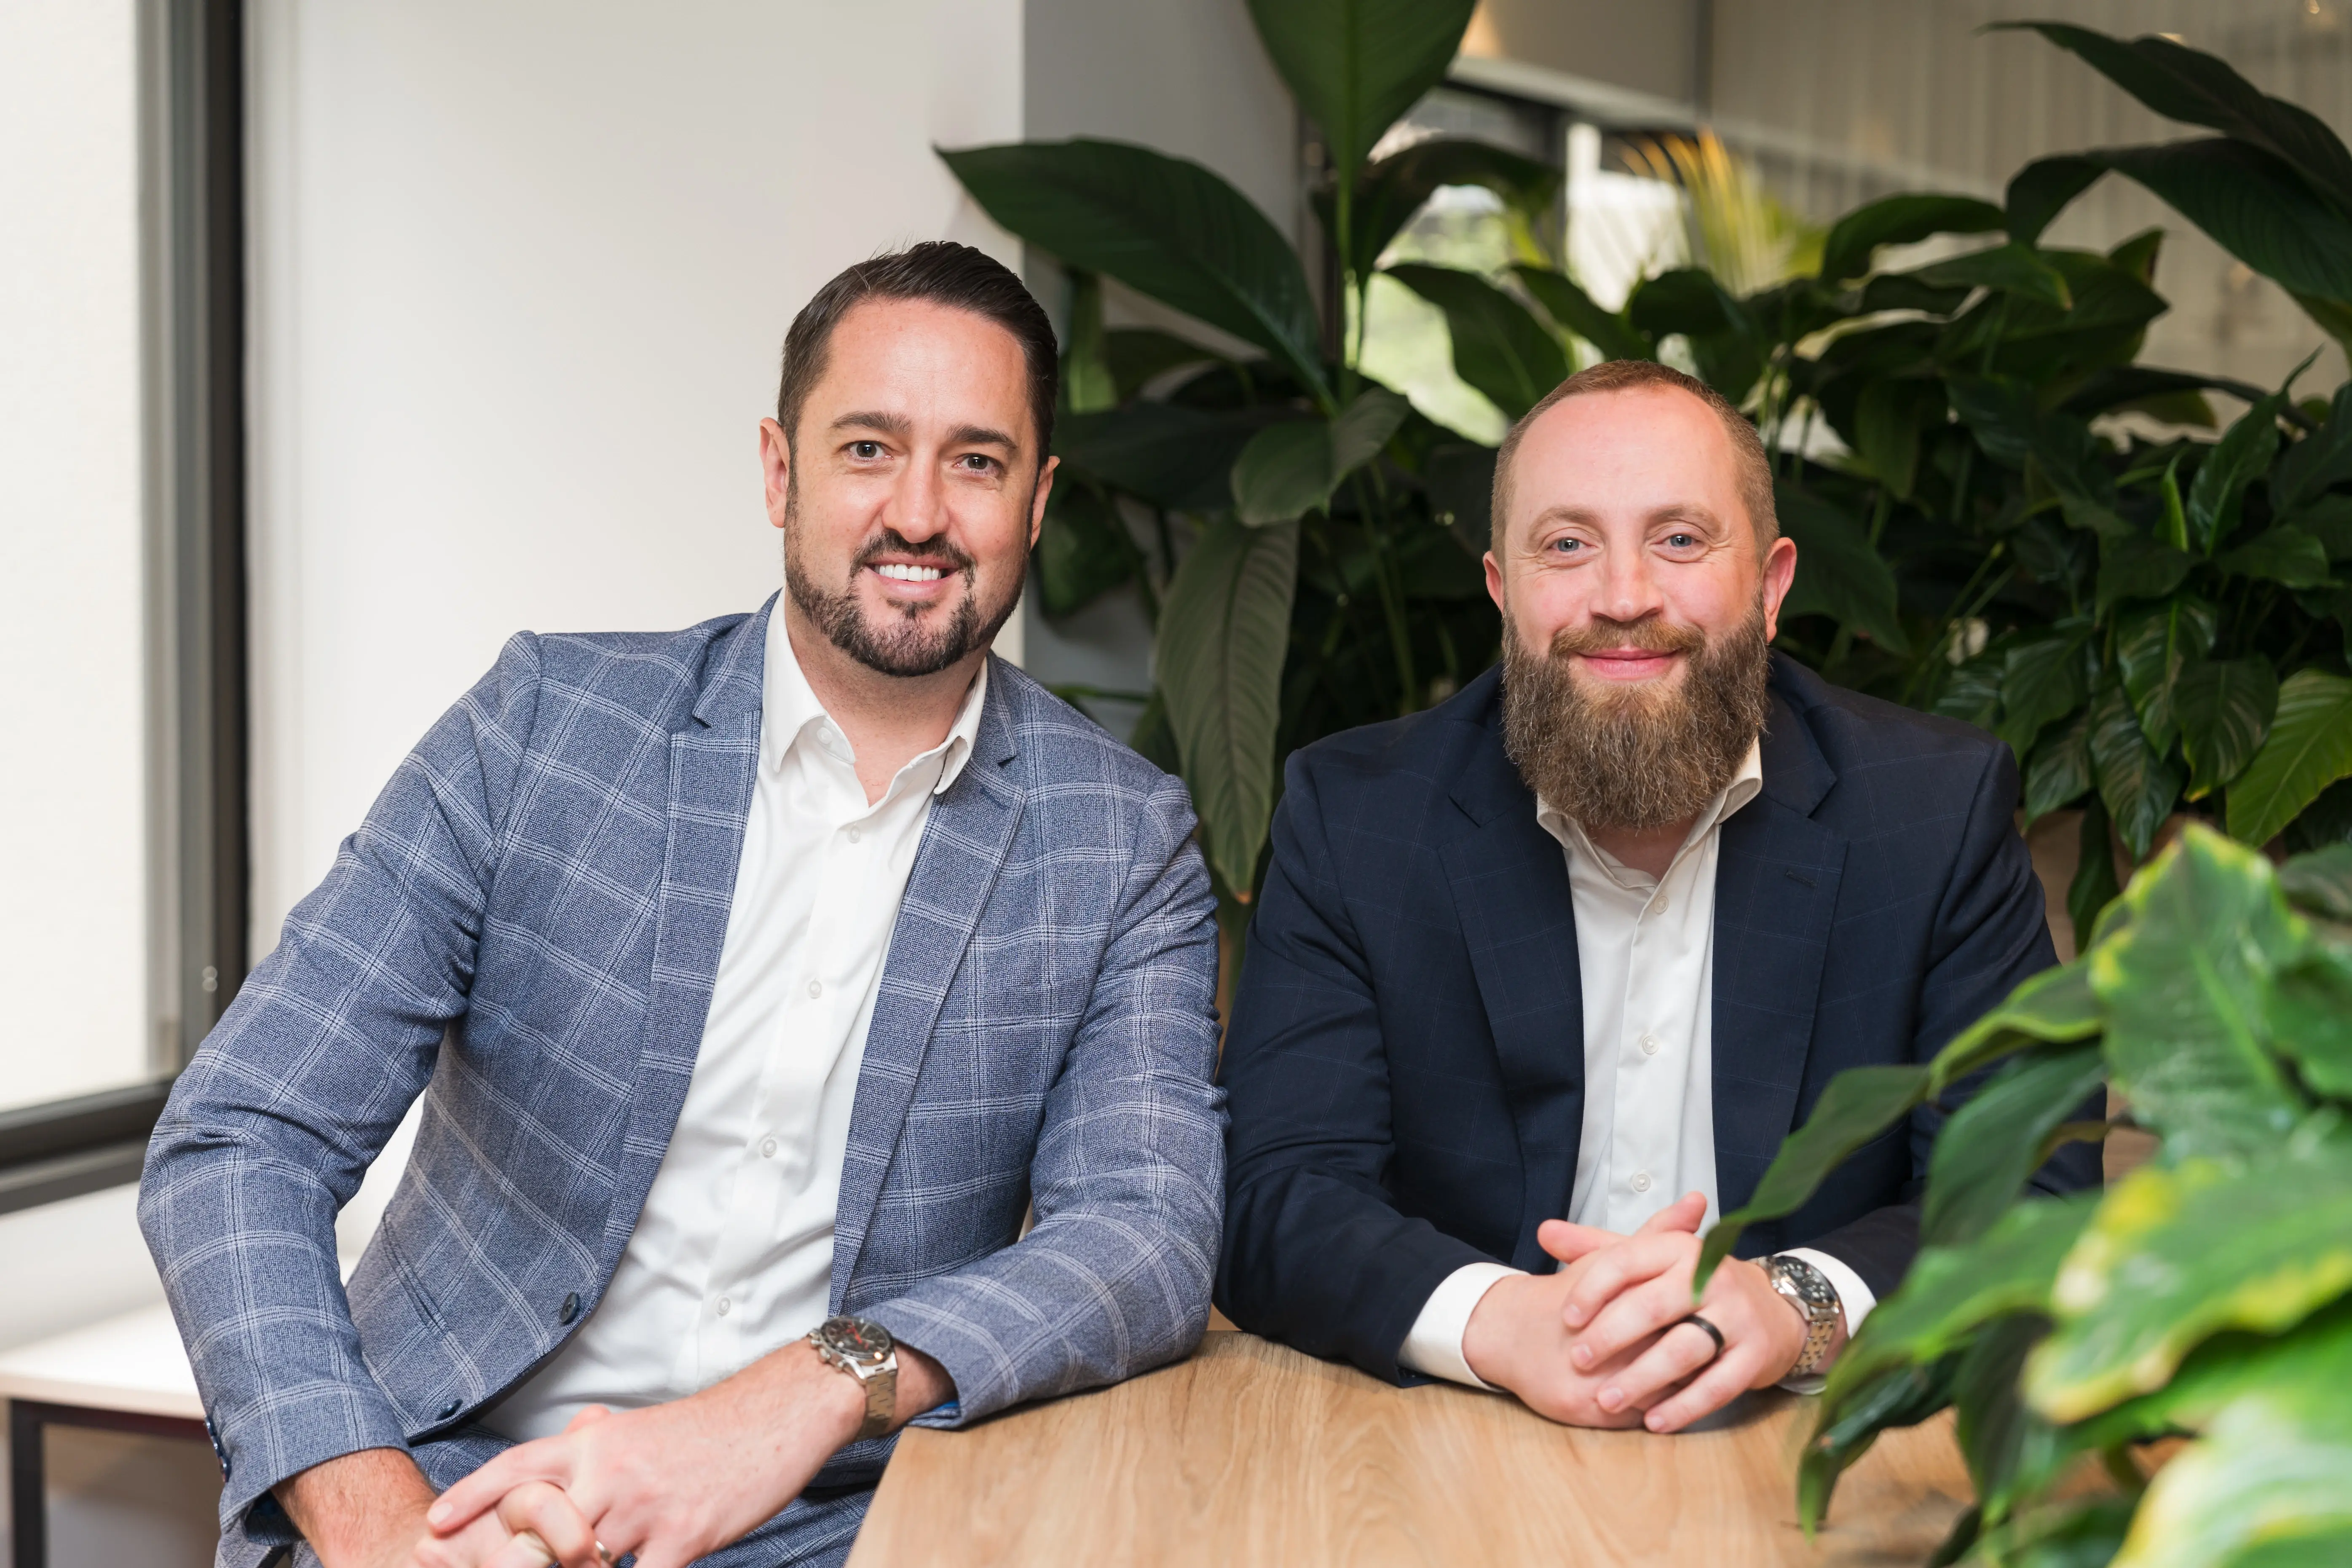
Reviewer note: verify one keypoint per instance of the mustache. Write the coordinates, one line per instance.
(1650, 633)
(936, 553)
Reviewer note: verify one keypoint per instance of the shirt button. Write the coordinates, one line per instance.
(817, 988)
(854, 836)
(1658, 904)
(1641, 1184)
(1649, 1044)
(724, 1304)
(767, 1148)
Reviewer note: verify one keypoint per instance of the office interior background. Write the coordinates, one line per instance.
(345, 340)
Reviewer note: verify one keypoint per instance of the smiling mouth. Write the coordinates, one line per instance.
(898, 573)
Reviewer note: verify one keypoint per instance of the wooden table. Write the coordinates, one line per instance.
(125, 1374)
(1250, 1453)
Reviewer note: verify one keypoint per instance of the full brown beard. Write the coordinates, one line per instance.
(902, 646)
(1634, 756)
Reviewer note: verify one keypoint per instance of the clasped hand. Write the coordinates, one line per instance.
(1602, 1341)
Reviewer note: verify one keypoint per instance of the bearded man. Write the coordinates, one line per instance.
(758, 979)
(1541, 977)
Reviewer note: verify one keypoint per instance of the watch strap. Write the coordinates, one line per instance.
(1816, 1300)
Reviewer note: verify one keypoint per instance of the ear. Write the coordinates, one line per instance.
(1495, 581)
(1037, 503)
(1780, 571)
(776, 468)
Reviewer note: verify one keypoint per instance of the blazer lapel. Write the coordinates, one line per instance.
(1776, 888)
(1510, 888)
(964, 846)
(713, 766)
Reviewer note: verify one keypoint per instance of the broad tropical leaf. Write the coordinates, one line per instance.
(2317, 463)
(2187, 1011)
(1889, 418)
(1224, 632)
(2003, 1440)
(2010, 269)
(1858, 1105)
(1846, 1428)
(2311, 1011)
(2269, 1484)
(1293, 467)
(2321, 882)
(2137, 568)
(1082, 550)
(2309, 748)
(2056, 1006)
(1164, 226)
(1839, 574)
(2041, 680)
(2225, 708)
(1575, 311)
(2139, 787)
(1993, 1143)
(1400, 184)
(2282, 554)
(2060, 771)
(2152, 647)
(2242, 454)
(1164, 453)
(1498, 348)
(1356, 64)
(2176, 1254)
(1899, 220)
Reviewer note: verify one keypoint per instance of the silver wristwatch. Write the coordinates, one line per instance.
(864, 1350)
(1816, 1299)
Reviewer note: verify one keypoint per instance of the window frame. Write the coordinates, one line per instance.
(190, 86)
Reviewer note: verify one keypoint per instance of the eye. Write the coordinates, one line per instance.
(1682, 541)
(1566, 545)
(865, 451)
(977, 463)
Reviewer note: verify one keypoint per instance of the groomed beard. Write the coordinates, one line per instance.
(903, 645)
(1636, 756)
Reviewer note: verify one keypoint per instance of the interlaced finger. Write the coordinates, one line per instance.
(1606, 1275)
(1679, 1354)
(546, 1512)
(1709, 1392)
(545, 1461)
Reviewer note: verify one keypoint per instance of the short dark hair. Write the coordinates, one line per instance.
(943, 273)
(1748, 454)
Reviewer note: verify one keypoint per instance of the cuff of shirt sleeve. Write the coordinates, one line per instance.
(1435, 1343)
(1853, 1297)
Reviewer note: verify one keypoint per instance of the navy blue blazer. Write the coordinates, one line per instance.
(1405, 1064)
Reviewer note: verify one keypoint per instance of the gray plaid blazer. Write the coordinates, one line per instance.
(525, 930)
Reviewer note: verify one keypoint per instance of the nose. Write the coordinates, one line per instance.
(1629, 588)
(916, 509)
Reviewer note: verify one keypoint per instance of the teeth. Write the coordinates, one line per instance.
(898, 573)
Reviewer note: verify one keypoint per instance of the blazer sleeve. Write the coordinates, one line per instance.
(1991, 934)
(271, 1126)
(1316, 1253)
(1126, 1182)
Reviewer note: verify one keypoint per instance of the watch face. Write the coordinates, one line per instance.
(858, 1339)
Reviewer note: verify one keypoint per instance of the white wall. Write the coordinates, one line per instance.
(72, 681)
(521, 274)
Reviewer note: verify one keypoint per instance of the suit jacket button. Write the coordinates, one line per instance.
(449, 1409)
(569, 1310)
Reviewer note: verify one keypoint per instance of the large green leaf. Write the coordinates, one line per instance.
(1356, 64)
(2198, 89)
(2140, 788)
(2186, 984)
(1224, 632)
(2042, 678)
(1575, 311)
(1889, 418)
(2056, 1006)
(2010, 269)
(2327, 518)
(2152, 647)
(2259, 209)
(1993, 1143)
(2225, 707)
(1164, 453)
(2269, 1485)
(1899, 220)
(1845, 1429)
(1396, 187)
(2224, 1368)
(1138, 355)
(2320, 881)
(2242, 454)
(2309, 748)
(1952, 1291)
(1082, 550)
(2311, 1013)
(2281, 555)
(1498, 347)
(2179, 1253)
(2008, 1447)
(1293, 467)
(1839, 573)
(2319, 462)
(2137, 568)
(2060, 771)
(1859, 1104)
(1164, 226)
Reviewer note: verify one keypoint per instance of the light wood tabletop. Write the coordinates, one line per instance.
(1250, 1453)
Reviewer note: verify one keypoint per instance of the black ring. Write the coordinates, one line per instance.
(1713, 1332)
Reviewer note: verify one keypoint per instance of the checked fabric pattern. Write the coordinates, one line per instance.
(525, 931)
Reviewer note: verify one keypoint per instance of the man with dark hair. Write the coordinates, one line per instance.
(1540, 978)
(758, 979)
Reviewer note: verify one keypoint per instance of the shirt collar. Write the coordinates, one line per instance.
(791, 714)
(1747, 784)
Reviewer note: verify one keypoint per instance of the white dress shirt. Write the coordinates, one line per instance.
(732, 1255)
(1645, 955)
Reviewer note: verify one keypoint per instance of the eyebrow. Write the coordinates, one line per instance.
(1679, 512)
(899, 427)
